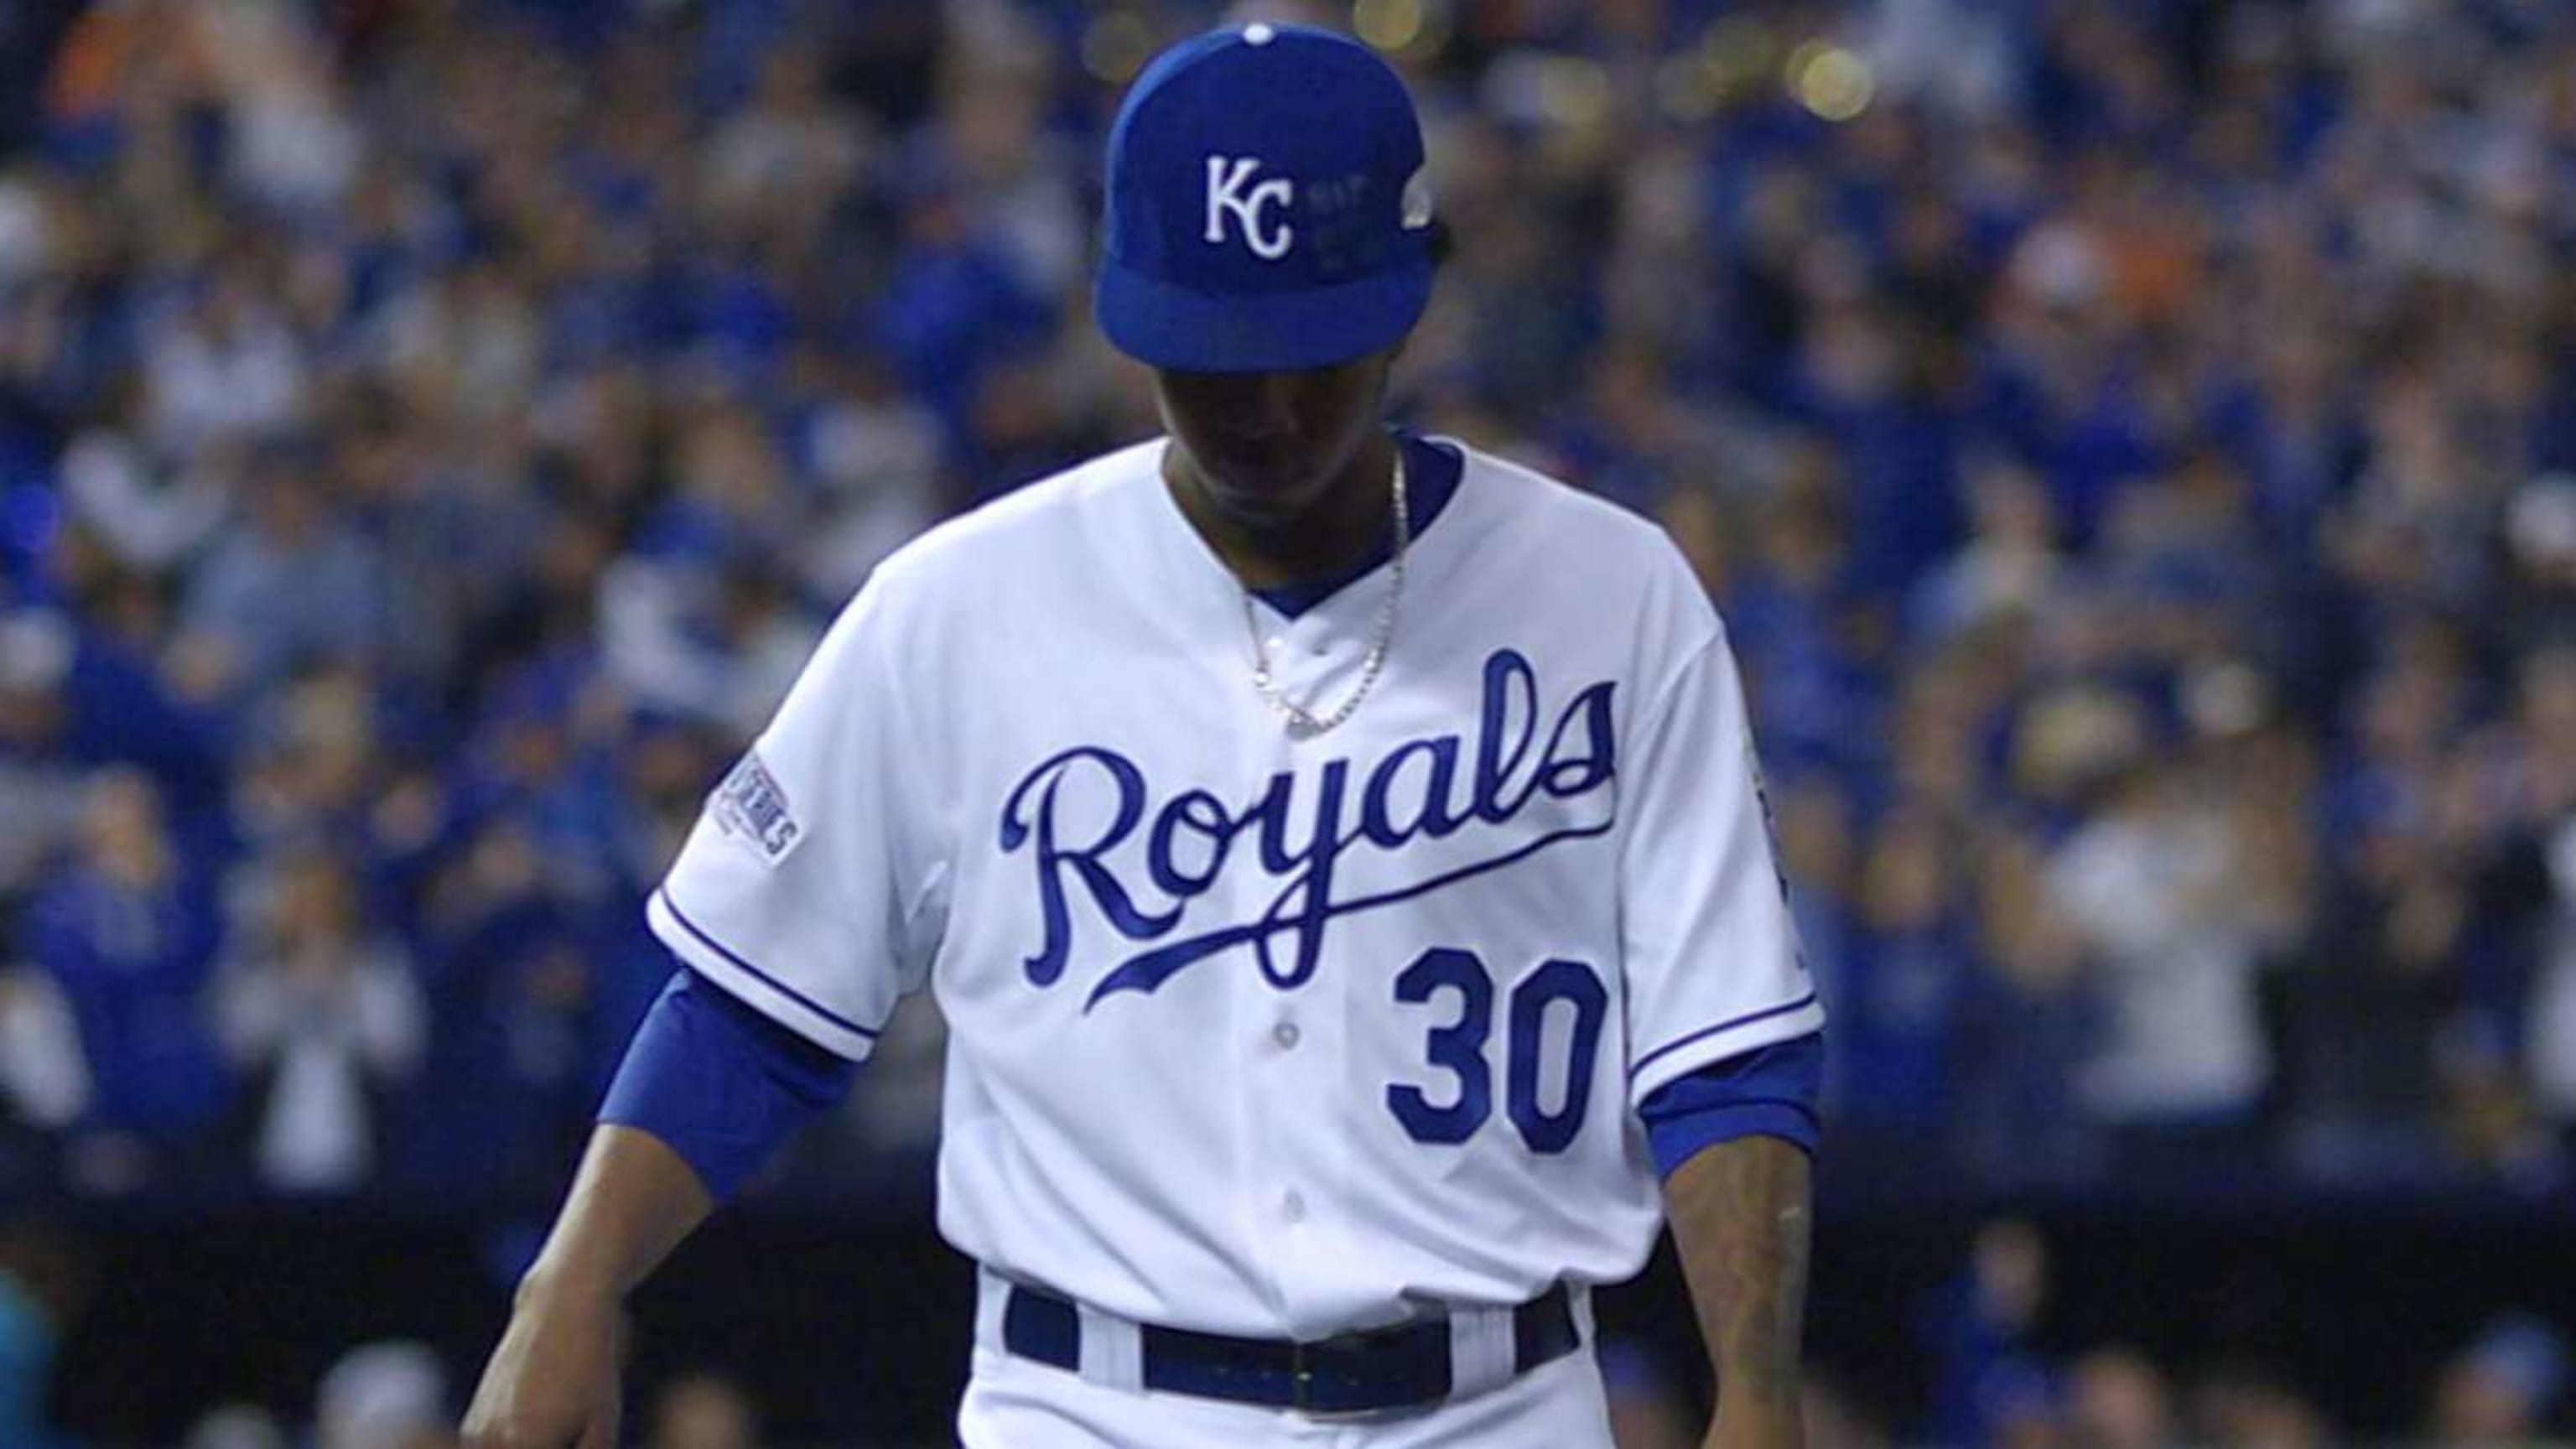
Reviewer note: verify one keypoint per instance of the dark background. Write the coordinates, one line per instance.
(834, 1322)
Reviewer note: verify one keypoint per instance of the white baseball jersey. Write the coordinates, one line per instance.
(1250, 1032)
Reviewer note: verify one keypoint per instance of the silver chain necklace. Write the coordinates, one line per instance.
(1301, 721)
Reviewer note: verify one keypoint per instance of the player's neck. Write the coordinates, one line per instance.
(1348, 520)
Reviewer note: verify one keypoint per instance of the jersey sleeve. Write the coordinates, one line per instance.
(807, 888)
(1710, 955)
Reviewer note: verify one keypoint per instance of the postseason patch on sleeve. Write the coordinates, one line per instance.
(752, 808)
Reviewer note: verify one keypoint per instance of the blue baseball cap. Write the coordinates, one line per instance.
(1267, 207)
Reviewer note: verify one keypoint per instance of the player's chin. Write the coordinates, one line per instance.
(1264, 496)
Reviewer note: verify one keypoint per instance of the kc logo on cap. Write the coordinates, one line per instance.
(1266, 208)
(1227, 195)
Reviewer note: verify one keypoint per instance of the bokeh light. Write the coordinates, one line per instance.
(1411, 28)
(1388, 24)
(1830, 80)
(1574, 93)
(1116, 45)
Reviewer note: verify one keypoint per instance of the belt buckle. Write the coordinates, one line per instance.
(1301, 1379)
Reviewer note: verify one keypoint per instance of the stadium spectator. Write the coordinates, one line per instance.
(40, 1292)
(127, 932)
(294, 587)
(237, 1426)
(2236, 1407)
(1905, 978)
(44, 1081)
(2502, 1388)
(2153, 884)
(390, 1395)
(322, 1018)
(1993, 1385)
(2118, 1399)
(702, 1411)
(43, 786)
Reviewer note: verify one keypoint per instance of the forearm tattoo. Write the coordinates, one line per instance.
(1740, 1217)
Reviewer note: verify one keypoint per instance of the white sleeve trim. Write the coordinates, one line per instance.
(1688, 1053)
(756, 988)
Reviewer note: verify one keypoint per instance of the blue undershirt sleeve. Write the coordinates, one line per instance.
(722, 1084)
(1767, 1092)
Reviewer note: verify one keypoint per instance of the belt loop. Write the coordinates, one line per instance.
(1480, 1351)
(1113, 1350)
(992, 1295)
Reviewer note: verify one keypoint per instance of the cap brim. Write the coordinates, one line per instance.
(1171, 327)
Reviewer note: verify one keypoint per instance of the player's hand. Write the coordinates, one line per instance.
(553, 1382)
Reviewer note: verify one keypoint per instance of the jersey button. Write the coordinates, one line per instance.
(1292, 1208)
(1286, 1034)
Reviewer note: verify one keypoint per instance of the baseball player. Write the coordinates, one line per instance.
(1338, 855)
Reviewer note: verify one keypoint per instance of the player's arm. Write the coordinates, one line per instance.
(1727, 1054)
(1739, 1217)
(708, 1092)
(1732, 1142)
(802, 908)
(553, 1382)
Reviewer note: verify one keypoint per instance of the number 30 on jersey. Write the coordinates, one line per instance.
(1459, 1048)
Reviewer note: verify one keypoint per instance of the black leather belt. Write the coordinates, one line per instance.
(1355, 1373)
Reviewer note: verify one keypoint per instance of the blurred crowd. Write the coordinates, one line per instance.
(2134, 446)
(1991, 1360)
(398, 1394)
(2000, 1375)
